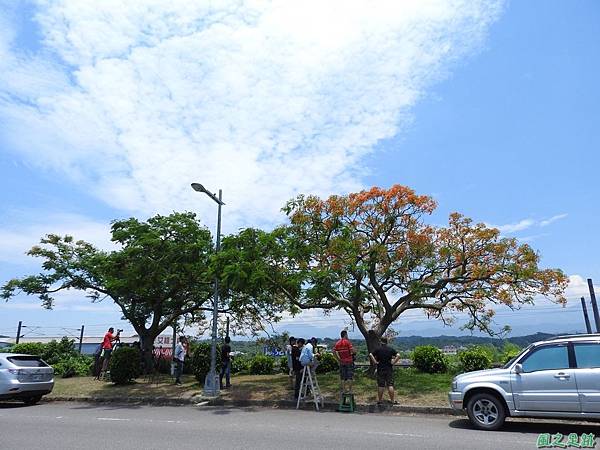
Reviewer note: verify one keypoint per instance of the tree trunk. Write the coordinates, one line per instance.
(147, 348)
(373, 341)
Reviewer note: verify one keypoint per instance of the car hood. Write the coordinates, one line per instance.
(482, 374)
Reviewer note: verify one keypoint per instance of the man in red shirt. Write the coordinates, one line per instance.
(344, 353)
(107, 347)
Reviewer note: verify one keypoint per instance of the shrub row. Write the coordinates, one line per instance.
(430, 359)
(252, 365)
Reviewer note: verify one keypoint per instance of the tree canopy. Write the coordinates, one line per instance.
(372, 255)
(161, 271)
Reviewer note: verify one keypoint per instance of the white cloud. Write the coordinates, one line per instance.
(514, 227)
(528, 223)
(15, 240)
(265, 99)
(552, 219)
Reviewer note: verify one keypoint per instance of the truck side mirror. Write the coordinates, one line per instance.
(518, 369)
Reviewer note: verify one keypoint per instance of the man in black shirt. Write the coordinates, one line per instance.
(297, 366)
(225, 364)
(385, 357)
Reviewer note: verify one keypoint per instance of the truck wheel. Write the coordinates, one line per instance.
(32, 400)
(486, 411)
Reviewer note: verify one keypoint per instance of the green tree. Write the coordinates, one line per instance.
(160, 272)
(372, 255)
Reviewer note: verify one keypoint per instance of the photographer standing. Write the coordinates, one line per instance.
(179, 358)
(107, 348)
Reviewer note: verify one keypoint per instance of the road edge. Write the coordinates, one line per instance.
(277, 404)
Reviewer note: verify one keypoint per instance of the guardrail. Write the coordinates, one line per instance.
(403, 363)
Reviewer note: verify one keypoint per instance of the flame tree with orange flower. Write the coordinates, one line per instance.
(372, 255)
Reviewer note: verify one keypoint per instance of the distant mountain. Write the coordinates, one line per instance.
(410, 342)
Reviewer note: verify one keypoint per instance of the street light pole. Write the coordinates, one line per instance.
(211, 382)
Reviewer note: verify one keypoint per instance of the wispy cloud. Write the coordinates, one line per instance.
(525, 224)
(264, 99)
(552, 219)
(514, 227)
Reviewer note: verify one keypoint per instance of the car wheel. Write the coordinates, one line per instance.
(486, 411)
(32, 400)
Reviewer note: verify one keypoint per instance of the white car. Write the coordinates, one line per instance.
(24, 377)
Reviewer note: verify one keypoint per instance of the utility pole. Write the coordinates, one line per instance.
(19, 332)
(594, 305)
(81, 338)
(588, 327)
(173, 349)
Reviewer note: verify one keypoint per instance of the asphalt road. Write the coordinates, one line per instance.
(68, 426)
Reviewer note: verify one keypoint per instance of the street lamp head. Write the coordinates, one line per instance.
(198, 187)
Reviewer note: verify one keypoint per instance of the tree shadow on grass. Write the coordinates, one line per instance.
(145, 389)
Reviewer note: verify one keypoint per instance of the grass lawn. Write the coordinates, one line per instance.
(412, 388)
(162, 387)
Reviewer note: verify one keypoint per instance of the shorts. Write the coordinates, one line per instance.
(346, 372)
(385, 378)
(106, 353)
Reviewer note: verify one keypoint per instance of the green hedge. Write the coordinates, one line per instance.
(30, 348)
(509, 352)
(75, 366)
(283, 365)
(125, 365)
(240, 364)
(262, 365)
(328, 363)
(429, 359)
(201, 360)
(474, 358)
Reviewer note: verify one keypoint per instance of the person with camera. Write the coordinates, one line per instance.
(107, 348)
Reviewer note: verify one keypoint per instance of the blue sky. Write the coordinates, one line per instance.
(490, 107)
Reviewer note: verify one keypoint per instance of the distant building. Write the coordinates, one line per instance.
(449, 350)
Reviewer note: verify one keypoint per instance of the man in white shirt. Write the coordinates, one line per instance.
(307, 357)
(179, 358)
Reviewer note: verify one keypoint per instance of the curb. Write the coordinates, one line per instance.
(278, 404)
(155, 401)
